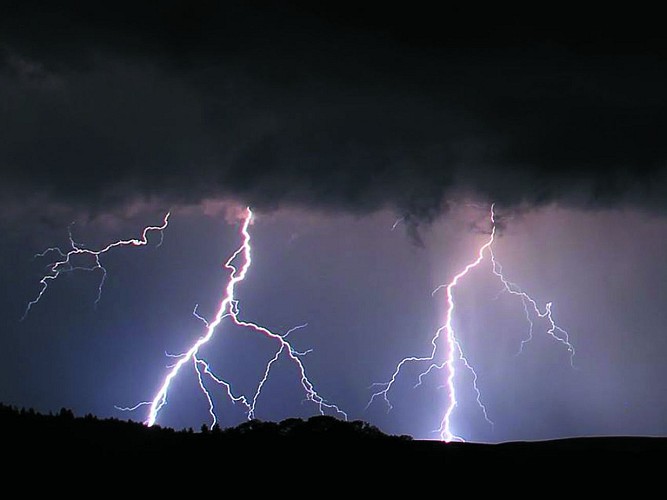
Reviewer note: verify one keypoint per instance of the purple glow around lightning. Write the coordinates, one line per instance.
(64, 265)
(229, 308)
(453, 349)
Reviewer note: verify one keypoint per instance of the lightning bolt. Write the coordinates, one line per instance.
(454, 352)
(229, 308)
(227, 387)
(65, 265)
(529, 304)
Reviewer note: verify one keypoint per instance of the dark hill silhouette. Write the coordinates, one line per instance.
(321, 448)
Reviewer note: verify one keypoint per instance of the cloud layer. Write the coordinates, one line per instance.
(329, 108)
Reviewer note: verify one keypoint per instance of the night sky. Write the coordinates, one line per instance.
(333, 122)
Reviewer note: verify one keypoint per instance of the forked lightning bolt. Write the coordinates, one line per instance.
(64, 265)
(453, 350)
(530, 304)
(229, 308)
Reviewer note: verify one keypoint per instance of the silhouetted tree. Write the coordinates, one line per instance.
(66, 413)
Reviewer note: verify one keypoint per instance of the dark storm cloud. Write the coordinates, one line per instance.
(333, 108)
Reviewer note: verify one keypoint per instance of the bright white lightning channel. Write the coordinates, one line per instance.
(229, 308)
(445, 337)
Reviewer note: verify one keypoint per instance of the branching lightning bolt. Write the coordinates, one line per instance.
(529, 304)
(454, 352)
(65, 265)
(229, 308)
(228, 389)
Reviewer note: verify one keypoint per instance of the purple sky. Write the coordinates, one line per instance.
(365, 292)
